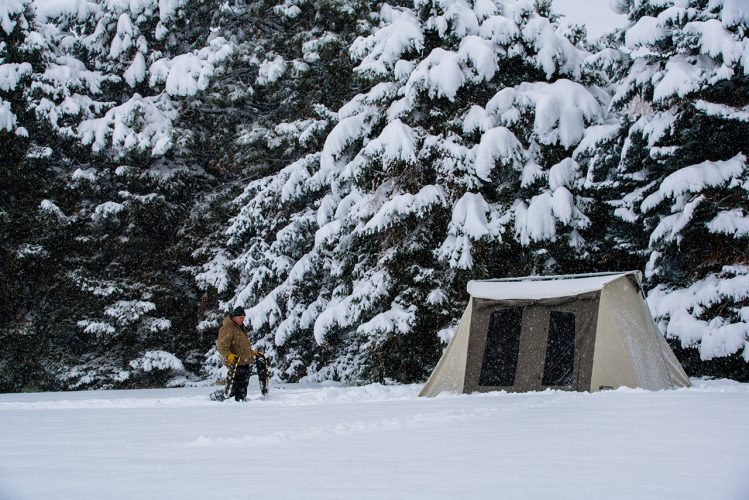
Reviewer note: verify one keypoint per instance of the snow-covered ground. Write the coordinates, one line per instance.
(328, 442)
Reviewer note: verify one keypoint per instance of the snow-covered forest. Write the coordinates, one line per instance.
(342, 168)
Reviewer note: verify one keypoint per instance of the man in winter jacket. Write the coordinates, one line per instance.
(233, 344)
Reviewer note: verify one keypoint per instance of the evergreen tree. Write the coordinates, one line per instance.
(133, 197)
(460, 151)
(291, 69)
(682, 174)
(23, 177)
(112, 183)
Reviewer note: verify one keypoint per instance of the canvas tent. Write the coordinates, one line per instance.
(582, 333)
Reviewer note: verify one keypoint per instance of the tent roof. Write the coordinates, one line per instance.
(542, 287)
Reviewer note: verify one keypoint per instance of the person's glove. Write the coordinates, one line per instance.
(231, 358)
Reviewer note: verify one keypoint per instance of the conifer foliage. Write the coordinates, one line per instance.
(683, 173)
(342, 168)
(98, 182)
(458, 160)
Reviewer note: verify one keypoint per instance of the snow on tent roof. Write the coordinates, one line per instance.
(542, 287)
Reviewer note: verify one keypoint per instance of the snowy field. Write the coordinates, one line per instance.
(378, 442)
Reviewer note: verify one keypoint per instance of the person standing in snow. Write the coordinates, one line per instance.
(233, 344)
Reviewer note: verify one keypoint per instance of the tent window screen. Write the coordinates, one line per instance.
(560, 349)
(502, 346)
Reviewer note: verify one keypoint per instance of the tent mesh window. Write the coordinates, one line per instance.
(560, 349)
(501, 349)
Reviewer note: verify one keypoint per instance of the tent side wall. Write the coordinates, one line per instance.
(630, 350)
(450, 372)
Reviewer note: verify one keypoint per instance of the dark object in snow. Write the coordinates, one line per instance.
(236, 385)
(261, 364)
(241, 381)
(221, 395)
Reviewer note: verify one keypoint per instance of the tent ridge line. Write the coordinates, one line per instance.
(560, 276)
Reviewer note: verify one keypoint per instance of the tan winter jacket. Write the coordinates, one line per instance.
(233, 339)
